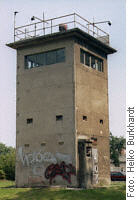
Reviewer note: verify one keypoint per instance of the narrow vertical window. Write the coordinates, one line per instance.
(93, 62)
(82, 56)
(100, 65)
(50, 57)
(60, 55)
(87, 59)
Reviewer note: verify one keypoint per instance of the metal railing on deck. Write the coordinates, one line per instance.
(49, 26)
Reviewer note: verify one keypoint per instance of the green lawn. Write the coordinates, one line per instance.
(115, 192)
(5, 183)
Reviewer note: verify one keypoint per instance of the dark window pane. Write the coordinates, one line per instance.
(100, 65)
(59, 117)
(29, 120)
(88, 151)
(87, 59)
(50, 57)
(60, 55)
(84, 118)
(93, 62)
(82, 56)
(41, 59)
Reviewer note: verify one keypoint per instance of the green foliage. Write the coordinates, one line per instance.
(4, 149)
(116, 146)
(2, 174)
(7, 161)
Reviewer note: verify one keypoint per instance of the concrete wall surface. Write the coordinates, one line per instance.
(46, 147)
(91, 93)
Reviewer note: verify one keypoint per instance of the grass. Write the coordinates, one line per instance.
(115, 192)
(6, 184)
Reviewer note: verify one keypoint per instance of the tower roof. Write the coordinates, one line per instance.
(71, 33)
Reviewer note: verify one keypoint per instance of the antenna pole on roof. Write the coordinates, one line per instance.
(15, 24)
(93, 26)
(43, 24)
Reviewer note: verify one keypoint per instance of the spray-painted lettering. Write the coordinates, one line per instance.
(31, 159)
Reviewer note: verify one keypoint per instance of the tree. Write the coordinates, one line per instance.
(4, 149)
(116, 146)
(7, 161)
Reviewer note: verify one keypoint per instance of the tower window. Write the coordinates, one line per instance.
(91, 60)
(84, 118)
(26, 145)
(61, 143)
(43, 144)
(88, 151)
(59, 117)
(45, 58)
(29, 120)
(101, 121)
(82, 54)
(87, 59)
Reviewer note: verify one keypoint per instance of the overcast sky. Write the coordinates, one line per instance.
(100, 10)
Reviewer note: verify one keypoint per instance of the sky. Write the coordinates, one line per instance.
(99, 10)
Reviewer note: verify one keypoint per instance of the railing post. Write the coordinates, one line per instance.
(74, 20)
(93, 29)
(88, 28)
(51, 25)
(25, 33)
(43, 25)
(35, 30)
(43, 28)
(97, 33)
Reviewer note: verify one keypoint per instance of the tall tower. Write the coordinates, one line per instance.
(62, 130)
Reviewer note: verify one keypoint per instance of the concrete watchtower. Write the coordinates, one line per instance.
(62, 135)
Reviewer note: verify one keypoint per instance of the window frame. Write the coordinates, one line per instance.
(56, 58)
(95, 62)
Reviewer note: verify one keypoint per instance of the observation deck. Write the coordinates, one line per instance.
(49, 26)
(63, 26)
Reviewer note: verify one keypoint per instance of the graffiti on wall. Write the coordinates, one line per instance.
(37, 162)
(31, 159)
(62, 169)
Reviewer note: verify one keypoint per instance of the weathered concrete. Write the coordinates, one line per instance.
(92, 101)
(48, 150)
(43, 93)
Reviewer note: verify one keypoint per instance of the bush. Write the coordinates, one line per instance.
(2, 174)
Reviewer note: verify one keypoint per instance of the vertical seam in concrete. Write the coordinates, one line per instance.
(75, 115)
(108, 106)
